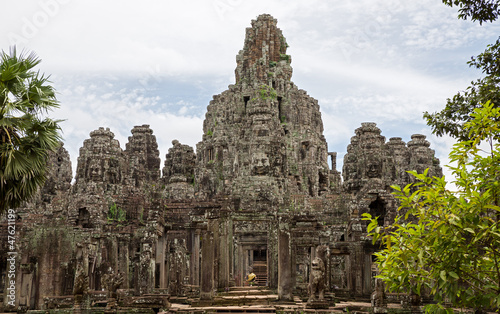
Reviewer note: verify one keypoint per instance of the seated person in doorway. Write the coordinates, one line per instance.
(251, 278)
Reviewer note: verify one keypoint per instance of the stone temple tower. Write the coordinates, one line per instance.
(263, 137)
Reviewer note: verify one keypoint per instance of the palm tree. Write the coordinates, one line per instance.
(26, 136)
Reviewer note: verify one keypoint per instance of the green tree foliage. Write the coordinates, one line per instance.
(448, 243)
(476, 10)
(458, 109)
(26, 136)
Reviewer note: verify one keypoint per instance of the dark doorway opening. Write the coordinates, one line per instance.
(260, 255)
(246, 99)
(377, 209)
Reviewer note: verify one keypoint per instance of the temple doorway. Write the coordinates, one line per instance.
(259, 266)
(253, 259)
(253, 252)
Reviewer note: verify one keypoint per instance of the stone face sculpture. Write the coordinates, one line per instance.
(260, 163)
(317, 276)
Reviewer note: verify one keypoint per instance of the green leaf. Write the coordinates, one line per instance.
(469, 230)
(453, 274)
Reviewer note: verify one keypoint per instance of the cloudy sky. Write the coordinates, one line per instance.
(123, 63)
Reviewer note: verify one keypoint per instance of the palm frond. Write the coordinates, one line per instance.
(26, 137)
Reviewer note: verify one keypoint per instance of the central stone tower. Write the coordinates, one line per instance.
(263, 137)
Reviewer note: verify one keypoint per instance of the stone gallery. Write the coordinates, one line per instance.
(257, 196)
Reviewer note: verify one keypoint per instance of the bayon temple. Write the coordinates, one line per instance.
(257, 195)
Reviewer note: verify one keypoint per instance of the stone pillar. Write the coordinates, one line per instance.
(224, 246)
(333, 158)
(195, 259)
(285, 280)
(358, 266)
(312, 249)
(367, 274)
(160, 253)
(245, 264)
(207, 266)
(250, 257)
(123, 262)
(239, 264)
(214, 226)
(230, 252)
(272, 255)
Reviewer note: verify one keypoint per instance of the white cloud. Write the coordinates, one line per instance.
(86, 109)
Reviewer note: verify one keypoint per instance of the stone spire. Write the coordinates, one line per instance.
(144, 156)
(264, 49)
(263, 137)
(101, 159)
(178, 172)
(422, 157)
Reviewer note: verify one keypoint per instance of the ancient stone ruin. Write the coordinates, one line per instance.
(257, 194)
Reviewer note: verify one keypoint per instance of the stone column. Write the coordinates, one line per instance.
(195, 259)
(285, 280)
(333, 158)
(272, 255)
(358, 266)
(367, 274)
(245, 264)
(207, 266)
(123, 262)
(230, 251)
(224, 245)
(214, 226)
(160, 253)
(238, 272)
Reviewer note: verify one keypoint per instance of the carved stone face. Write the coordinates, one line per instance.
(95, 171)
(373, 170)
(260, 164)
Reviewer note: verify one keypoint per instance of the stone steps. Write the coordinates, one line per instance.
(226, 310)
(248, 292)
(246, 296)
(241, 288)
(245, 300)
(247, 310)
